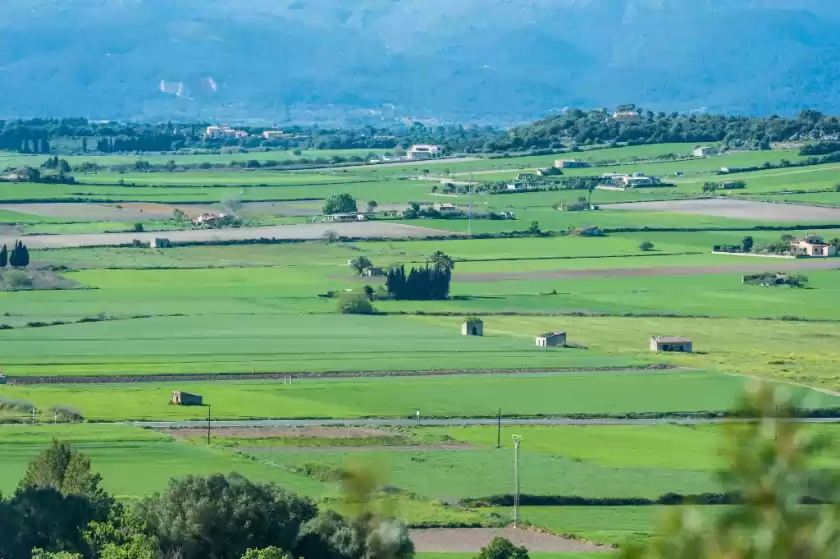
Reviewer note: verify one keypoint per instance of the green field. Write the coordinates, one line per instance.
(134, 462)
(262, 308)
(521, 394)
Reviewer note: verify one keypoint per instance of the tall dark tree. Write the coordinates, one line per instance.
(4, 257)
(14, 256)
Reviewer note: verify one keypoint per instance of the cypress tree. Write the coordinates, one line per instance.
(24, 258)
(13, 257)
(4, 257)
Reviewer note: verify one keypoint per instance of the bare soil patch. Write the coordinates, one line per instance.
(764, 265)
(202, 377)
(309, 231)
(360, 448)
(737, 209)
(124, 211)
(279, 432)
(471, 540)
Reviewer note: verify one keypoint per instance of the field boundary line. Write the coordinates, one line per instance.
(281, 376)
(825, 391)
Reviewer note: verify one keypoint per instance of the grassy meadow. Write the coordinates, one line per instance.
(523, 394)
(262, 308)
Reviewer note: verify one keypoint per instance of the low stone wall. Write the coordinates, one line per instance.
(782, 256)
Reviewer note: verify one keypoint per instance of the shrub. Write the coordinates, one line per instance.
(17, 280)
(138, 227)
(646, 246)
(354, 302)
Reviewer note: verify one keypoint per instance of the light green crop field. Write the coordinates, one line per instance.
(135, 462)
(271, 343)
(523, 394)
(790, 351)
(657, 446)
(447, 474)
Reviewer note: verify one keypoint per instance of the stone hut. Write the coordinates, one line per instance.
(373, 272)
(551, 339)
(180, 398)
(472, 327)
(670, 343)
(160, 243)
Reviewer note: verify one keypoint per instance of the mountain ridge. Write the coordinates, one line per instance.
(456, 61)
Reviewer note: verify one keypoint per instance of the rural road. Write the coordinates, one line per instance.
(309, 231)
(736, 209)
(443, 422)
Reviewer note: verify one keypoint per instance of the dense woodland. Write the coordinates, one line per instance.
(559, 132)
(599, 127)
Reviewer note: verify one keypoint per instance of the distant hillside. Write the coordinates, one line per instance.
(379, 60)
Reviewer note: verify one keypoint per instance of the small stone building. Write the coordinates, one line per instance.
(373, 272)
(670, 343)
(180, 398)
(472, 327)
(551, 339)
(160, 243)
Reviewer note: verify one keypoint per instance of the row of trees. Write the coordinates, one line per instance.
(33, 136)
(428, 283)
(18, 258)
(553, 133)
(60, 510)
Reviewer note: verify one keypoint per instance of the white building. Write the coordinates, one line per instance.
(626, 116)
(215, 132)
(273, 134)
(445, 208)
(703, 151)
(424, 151)
(627, 181)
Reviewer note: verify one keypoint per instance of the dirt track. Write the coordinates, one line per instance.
(737, 209)
(304, 232)
(280, 377)
(279, 432)
(471, 540)
(761, 265)
(124, 211)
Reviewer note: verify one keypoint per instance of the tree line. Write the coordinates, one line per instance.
(18, 258)
(428, 283)
(60, 511)
(600, 127)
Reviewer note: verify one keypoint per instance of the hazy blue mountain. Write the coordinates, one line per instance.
(502, 60)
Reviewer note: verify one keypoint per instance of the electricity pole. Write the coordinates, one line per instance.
(499, 431)
(470, 186)
(516, 440)
(208, 424)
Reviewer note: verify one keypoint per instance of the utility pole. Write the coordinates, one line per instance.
(516, 440)
(499, 431)
(208, 424)
(470, 186)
